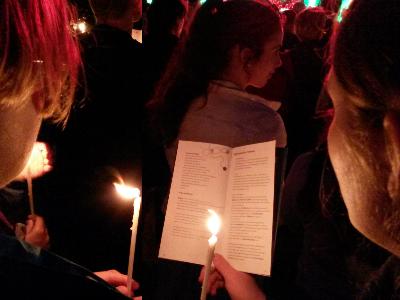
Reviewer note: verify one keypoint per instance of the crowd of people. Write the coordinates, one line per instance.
(229, 72)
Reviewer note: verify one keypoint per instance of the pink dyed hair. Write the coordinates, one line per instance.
(38, 54)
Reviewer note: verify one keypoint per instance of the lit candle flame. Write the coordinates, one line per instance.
(214, 222)
(127, 192)
(39, 162)
(82, 27)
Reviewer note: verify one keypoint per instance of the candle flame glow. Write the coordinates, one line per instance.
(214, 222)
(39, 162)
(127, 192)
(212, 240)
(82, 27)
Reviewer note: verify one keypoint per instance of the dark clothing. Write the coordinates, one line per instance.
(158, 49)
(13, 206)
(107, 124)
(104, 130)
(28, 272)
(304, 65)
(297, 84)
(290, 40)
(100, 144)
(5, 226)
(385, 283)
(306, 70)
(319, 254)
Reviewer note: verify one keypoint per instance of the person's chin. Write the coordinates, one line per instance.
(262, 84)
(9, 175)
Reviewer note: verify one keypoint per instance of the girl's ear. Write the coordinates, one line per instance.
(38, 101)
(246, 57)
(391, 125)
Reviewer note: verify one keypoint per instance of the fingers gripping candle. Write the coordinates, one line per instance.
(213, 224)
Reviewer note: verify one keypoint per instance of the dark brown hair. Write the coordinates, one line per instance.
(366, 57)
(163, 15)
(218, 26)
(310, 23)
(366, 63)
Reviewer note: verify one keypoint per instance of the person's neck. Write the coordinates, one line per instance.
(123, 25)
(235, 70)
(232, 75)
(391, 245)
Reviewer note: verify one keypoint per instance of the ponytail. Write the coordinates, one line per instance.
(203, 55)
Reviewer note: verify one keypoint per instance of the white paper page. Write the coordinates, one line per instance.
(199, 183)
(249, 208)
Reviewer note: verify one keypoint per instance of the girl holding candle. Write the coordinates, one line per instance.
(230, 45)
(33, 230)
(364, 139)
(39, 62)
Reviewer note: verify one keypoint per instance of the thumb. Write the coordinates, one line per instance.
(29, 225)
(223, 266)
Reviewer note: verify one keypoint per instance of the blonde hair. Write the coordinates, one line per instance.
(38, 54)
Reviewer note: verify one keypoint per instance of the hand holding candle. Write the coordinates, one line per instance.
(128, 193)
(38, 164)
(213, 224)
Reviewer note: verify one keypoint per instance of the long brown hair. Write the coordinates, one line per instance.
(218, 26)
(366, 63)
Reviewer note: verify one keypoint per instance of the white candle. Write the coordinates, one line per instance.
(135, 221)
(128, 193)
(30, 190)
(213, 224)
(37, 165)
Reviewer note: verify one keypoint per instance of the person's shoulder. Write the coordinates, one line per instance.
(246, 102)
(254, 111)
(308, 162)
(164, 41)
(385, 283)
(264, 111)
(32, 273)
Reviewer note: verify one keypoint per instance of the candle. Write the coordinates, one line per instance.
(128, 193)
(37, 165)
(30, 190)
(213, 224)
